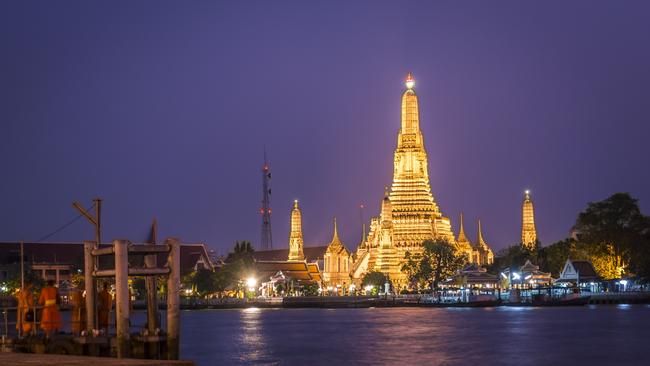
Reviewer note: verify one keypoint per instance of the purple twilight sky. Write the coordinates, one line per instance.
(163, 109)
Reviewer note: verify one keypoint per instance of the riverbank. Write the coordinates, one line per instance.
(385, 301)
(30, 359)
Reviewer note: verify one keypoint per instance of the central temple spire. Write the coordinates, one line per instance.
(410, 194)
(410, 110)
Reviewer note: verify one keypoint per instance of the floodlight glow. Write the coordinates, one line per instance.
(410, 82)
(516, 276)
(251, 282)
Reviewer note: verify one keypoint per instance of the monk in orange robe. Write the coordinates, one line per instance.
(25, 314)
(78, 315)
(49, 299)
(104, 306)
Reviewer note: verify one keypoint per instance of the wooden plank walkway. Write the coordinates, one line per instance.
(30, 359)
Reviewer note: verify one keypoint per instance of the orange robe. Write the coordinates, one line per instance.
(105, 303)
(78, 316)
(51, 318)
(25, 302)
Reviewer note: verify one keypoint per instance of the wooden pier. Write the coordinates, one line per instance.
(151, 343)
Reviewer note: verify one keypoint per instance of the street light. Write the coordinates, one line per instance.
(251, 282)
(368, 289)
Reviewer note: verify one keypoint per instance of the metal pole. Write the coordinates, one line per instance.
(22, 266)
(89, 282)
(173, 299)
(122, 296)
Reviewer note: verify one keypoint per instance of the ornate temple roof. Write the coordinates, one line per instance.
(463, 242)
(312, 254)
(480, 242)
(336, 245)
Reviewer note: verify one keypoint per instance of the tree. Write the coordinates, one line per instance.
(439, 260)
(374, 278)
(411, 268)
(513, 257)
(614, 224)
(12, 284)
(553, 257)
(310, 290)
(640, 261)
(239, 265)
(242, 250)
(601, 256)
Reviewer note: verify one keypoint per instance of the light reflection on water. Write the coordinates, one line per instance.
(254, 348)
(504, 335)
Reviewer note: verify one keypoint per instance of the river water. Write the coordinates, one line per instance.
(589, 335)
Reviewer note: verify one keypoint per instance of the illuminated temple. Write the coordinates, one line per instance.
(409, 213)
(409, 216)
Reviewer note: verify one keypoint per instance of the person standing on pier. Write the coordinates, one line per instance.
(78, 302)
(25, 315)
(49, 299)
(104, 305)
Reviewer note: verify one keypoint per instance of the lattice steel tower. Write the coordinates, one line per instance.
(266, 242)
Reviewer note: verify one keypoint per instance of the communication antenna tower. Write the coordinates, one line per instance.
(266, 242)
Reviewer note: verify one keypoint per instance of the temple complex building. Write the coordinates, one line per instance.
(463, 245)
(483, 255)
(528, 230)
(337, 263)
(479, 252)
(409, 213)
(295, 236)
(409, 216)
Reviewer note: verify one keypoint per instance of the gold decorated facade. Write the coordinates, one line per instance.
(295, 236)
(528, 230)
(409, 213)
(409, 216)
(336, 264)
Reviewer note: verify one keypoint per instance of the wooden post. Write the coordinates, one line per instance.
(152, 303)
(89, 283)
(173, 298)
(122, 297)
